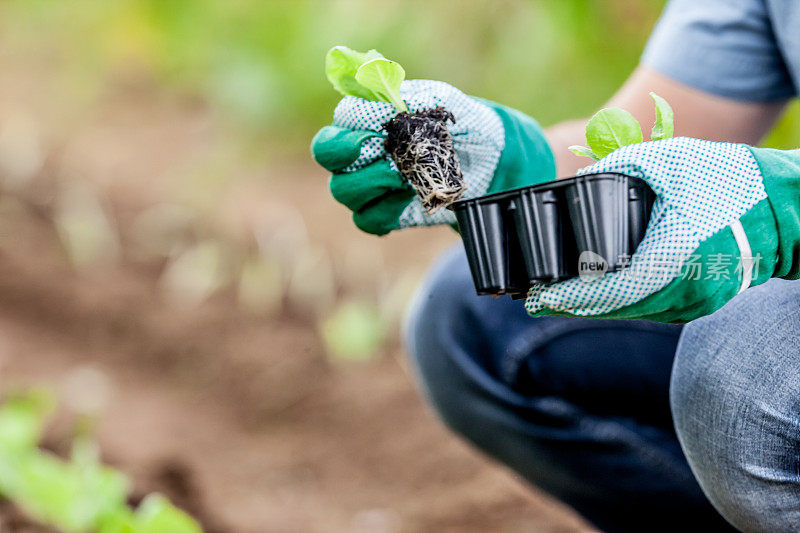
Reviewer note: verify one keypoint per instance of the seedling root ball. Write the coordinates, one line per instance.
(422, 148)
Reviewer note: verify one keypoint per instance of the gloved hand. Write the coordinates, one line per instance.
(726, 217)
(498, 149)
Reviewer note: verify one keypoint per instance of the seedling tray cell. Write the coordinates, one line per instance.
(493, 251)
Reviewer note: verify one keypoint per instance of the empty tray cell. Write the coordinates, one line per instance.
(598, 208)
(492, 247)
(640, 203)
(540, 226)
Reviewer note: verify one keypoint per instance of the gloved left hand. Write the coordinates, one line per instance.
(726, 217)
(498, 148)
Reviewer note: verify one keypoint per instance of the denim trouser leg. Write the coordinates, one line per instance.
(736, 402)
(578, 407)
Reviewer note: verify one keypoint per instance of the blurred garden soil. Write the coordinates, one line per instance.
(239, 416)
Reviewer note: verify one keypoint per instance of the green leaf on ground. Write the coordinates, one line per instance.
(155, 514)
(22, 418)
(354, 332)
(79, 495)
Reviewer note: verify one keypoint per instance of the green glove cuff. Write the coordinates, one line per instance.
(527, 158)
(780, 170)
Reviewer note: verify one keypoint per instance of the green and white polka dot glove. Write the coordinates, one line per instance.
(498, 148)
(726, 217)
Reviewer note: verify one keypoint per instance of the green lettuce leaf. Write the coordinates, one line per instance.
(664, 126)
(610, 129)
(341, 65)
(366, 75)
(584, 151)
(383, 77)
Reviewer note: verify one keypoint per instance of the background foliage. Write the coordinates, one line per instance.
(260, 63)
(160, 212)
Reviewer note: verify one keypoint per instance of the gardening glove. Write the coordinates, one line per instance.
(498, 149)
(726, 217)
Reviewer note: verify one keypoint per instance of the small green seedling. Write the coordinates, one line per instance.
(354, 332)
(612, 128)
(78, 495)
(664, 126)
(418, 142)
(367, 75)
(383, 77)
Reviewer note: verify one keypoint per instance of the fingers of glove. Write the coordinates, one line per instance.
(416, 215)
(587, 298)
(533, 304)
(382, 215)
(710, 183)
(669, 242)
(336, 148)
(357, 113)
(709, 279)
(361, 187)
(656, 162)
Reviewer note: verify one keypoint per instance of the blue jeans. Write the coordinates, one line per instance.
(639, 426)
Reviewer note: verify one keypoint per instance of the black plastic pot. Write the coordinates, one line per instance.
(544, 231)
(538, 233)
(493, 248)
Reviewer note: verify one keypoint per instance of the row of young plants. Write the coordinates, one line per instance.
(79, 494)
(270, 268)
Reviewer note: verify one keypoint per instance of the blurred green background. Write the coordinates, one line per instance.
(203, 110)
(168, 246)
(260, 63)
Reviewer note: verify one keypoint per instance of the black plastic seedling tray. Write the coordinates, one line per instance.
(538, 233)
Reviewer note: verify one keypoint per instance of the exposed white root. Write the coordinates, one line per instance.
(427, 164)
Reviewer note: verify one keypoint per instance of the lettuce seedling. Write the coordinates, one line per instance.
(383, 77)
(612, 128)
(341, 65)
(419, 142)
(664, 126)
(367, 75)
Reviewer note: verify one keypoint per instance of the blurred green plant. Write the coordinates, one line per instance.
(354, 332)
(79, 495)
(258, 62)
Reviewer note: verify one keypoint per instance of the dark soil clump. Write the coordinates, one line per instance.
(423, 150)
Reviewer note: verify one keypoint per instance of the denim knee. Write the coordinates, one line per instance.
(430, 339)
(461, 346)
(735, 399)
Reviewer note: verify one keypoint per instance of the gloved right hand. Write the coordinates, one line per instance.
(726, 217)
(498, 148)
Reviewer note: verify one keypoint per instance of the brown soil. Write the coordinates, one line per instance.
(239, 419)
